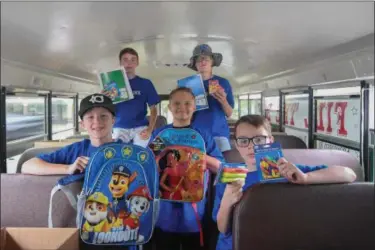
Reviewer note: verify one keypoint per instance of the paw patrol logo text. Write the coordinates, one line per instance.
(115, 237)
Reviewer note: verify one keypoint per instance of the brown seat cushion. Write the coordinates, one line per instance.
(25, 201)
(291, 217)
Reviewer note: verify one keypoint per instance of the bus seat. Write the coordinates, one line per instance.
(79, 137)
(27, 201)
(160, 121)
(287, 216)
(325, 156)
(289, 141)
(30, 153)
(311, 157)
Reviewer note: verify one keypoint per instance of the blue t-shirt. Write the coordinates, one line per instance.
(214, 119)
(225, 240)
(132, 113)
(180, 217)
(68, 154)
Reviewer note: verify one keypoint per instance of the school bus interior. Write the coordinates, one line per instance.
(287, 61)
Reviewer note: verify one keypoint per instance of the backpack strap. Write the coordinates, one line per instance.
(62, 185)
(194, 205)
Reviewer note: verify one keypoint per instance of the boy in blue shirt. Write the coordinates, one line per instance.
(131, 122)
(178, 225)
(97, 114)
(253, 130)
(220, 100)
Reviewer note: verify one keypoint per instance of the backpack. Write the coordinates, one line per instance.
(180, 155)
(118, 204)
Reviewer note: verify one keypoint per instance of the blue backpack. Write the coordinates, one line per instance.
(180, 155)
(119, 201)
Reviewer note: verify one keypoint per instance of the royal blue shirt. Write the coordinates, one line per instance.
(180, 217)
(225, 240)
(214, 120)
(132, 113)
(68, 154)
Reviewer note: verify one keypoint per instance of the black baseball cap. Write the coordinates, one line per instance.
(94, 101)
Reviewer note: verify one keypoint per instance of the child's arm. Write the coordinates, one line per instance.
(332, 174)
(213, 164)
(232, 195)
(38, 166)
(315, 175)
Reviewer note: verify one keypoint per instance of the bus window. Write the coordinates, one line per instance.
(244, 105)
(255, 103)
(338, 116)
(25, 117)
(271, 111)
(62, 118)
(235, 113)
(164, 111)
(296, 116)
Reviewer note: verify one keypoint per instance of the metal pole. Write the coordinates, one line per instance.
(261, 103)
(311, 118)
(76, 106)
(364, 130)
(49, 116)
(3, 135)
(281, 109)
(248, 104)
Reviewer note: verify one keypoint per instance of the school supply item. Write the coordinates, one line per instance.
(195, 83)
(118, 204)
(116, 83)
(230, 172)
(213, 86)
(180, 155)
(266, 157)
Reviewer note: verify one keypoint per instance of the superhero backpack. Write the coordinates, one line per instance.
(180, 155)
(118, 204)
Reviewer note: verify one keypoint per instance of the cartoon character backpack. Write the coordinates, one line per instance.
(180, 155)
(118, 204)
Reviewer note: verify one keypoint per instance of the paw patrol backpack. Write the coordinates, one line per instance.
(118, 204)
(180, 155)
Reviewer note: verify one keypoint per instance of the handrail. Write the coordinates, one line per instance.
(26, 139)
(337, 141)
(359, 79)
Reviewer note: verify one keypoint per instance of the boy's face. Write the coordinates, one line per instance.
(129, 62)
(182, 106)
(246, 136)
(98, 122)
(204, 64)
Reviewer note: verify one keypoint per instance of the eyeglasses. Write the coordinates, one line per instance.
(203, 58)
(245, 141)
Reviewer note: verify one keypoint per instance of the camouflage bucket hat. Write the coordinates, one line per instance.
(205, 50)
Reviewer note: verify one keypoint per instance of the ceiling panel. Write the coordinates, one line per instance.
(255, 38)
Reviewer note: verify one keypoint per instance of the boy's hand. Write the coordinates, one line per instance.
(233, 193)
(145, 134)
(220, 95)
(79, 165)
(291, 172)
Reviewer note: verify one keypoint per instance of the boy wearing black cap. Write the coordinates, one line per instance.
(97, 113)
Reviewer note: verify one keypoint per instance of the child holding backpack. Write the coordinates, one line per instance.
(97, 113)
(179, 224)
